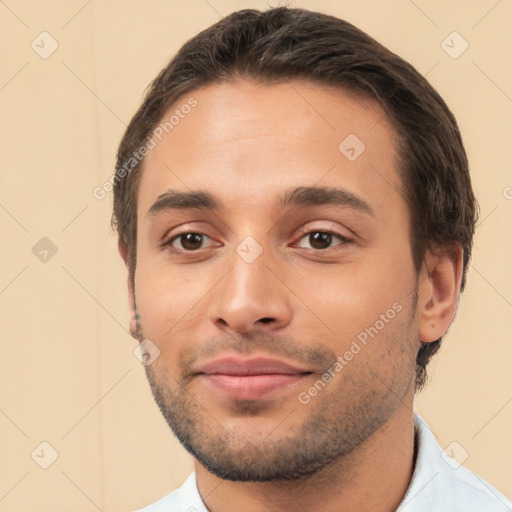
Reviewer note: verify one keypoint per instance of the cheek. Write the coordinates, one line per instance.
(169, 296)
(350, 298)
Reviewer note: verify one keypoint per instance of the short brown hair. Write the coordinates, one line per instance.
(282, 44)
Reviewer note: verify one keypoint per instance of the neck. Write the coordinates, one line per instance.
(373, 477)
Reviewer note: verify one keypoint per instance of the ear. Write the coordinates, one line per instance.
(123, 251)
(438, 294)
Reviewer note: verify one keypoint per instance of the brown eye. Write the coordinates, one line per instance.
(191, 241)
(187, 241)
(320, 240)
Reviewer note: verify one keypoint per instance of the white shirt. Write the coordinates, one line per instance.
(438, 484)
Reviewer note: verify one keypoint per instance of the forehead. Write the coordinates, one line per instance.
(244, 136)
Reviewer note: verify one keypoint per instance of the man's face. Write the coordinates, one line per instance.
(279, 271)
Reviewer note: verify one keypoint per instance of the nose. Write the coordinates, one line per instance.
(250, 297)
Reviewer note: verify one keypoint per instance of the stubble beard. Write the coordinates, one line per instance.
(338, 421)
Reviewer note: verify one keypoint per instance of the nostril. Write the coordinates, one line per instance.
(266, 320)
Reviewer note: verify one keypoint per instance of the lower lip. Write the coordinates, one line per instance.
(251, 387)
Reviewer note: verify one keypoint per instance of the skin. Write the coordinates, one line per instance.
(246, 144)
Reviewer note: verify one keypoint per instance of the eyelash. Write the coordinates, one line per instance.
(343, 240)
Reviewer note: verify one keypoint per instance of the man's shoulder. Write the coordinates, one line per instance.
(440, 483)
(184, 499)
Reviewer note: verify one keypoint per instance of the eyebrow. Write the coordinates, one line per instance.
(300, 196)
(319, 196)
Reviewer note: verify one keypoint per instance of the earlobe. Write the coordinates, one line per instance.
(134, 331)
(134, 316)
(439, 288)
(123, 251)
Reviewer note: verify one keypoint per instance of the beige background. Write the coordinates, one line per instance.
(68, 375)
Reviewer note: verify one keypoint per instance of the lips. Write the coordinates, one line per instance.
(250, 379)
(254, 366)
